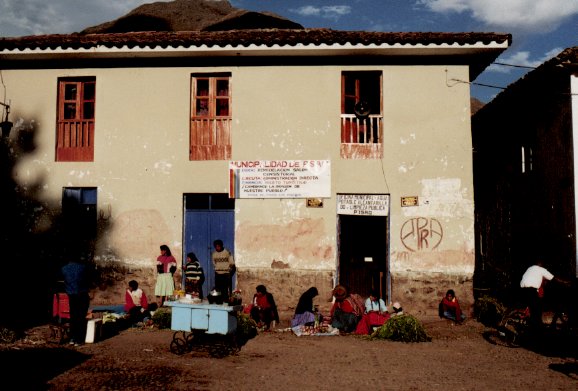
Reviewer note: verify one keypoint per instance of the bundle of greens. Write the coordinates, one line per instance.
(246, 328)
(162, 318)
(402, 328)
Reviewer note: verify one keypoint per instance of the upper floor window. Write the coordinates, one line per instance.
(210, 116)
(75, 119)
(527, 160)
(361, 115)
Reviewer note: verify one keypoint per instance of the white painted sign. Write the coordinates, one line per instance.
(280, 179)
(363, 204)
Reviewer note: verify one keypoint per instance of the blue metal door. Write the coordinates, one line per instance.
(202, 227)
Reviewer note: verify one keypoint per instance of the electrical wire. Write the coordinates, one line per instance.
(499, 87)
(513, 65)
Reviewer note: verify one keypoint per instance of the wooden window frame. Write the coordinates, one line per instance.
(75, 134)
(362, 138)
(210, 133)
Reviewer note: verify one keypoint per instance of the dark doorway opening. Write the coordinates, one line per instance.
(363, 252)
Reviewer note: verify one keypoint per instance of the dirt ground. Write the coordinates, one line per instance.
(457, 358)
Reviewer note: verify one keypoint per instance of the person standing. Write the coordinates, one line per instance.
(77, 285)
(194, 276)
(166, 266)
(224, 265)
(532, 285)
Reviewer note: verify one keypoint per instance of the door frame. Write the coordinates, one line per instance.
(347, 214)
(207, 217)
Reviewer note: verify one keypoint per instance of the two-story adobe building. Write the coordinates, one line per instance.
(317, 156)
(525, 141)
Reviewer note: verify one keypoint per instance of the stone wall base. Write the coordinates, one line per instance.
(287, 286)
(420, 293)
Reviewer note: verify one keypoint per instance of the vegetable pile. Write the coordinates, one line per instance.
(402, 328)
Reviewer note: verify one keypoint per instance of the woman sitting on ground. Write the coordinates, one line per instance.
(305, 311)
(375, 314)
(264, 309)
(449, 308)
(136, 303)
(345, 313)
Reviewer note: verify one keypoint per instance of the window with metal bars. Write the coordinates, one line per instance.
(361, 115)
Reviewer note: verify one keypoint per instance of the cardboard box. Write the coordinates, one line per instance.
(93, 330)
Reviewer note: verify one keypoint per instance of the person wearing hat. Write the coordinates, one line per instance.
(345, 313)
(397, 309)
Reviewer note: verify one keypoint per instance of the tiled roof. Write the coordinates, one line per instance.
(565, 62)
(266, 37)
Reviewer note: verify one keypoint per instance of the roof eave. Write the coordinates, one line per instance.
(125, 51)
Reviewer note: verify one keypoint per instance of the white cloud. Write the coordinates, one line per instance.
(308, 10)
(328, 12)
(522, 58)
(337, 10)
(544, 15)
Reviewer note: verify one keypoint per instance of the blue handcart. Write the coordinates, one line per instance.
(208, 327)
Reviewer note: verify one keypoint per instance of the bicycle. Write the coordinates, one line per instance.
(515, 328)
(511, 330)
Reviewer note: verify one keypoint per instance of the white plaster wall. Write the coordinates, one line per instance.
(141, 165)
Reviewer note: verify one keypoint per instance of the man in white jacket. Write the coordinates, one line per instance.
(532, 284)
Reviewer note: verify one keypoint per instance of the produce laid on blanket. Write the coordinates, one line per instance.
(320, 327)
(315, 330)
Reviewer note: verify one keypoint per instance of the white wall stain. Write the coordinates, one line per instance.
(41, 163)
(406, 167)
(442, 197)
(407, 140)
(163, 166)
(79, 174)
(292, 209)
(443, 161)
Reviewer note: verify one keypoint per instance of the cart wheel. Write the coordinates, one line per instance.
(178, 346)
(190, 340)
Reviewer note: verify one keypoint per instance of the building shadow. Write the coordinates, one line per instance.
(31, 369)
(34, 238)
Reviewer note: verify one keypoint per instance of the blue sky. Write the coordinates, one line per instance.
(540, 28)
